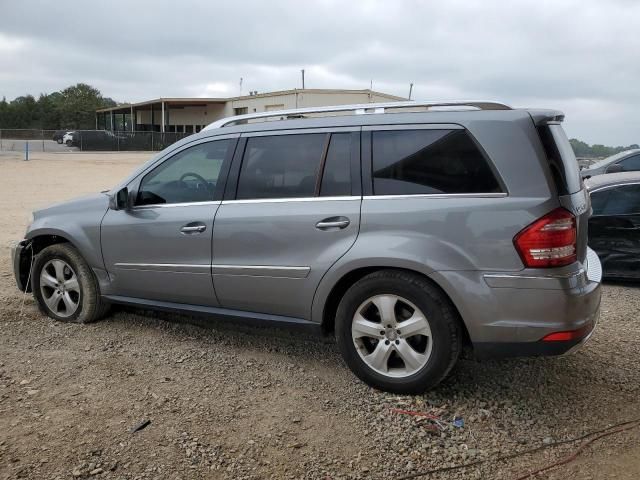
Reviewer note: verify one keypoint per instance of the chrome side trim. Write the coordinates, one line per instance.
(171, 205)
(559, 281)
(296, 199)
(436, 195)
(165, 267)
(612, 185)
(276, 271)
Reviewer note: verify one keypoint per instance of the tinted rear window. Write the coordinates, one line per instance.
(409, 162)
(562, 161)
(281, 166)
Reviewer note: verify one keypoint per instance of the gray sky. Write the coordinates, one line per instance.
(580, 56)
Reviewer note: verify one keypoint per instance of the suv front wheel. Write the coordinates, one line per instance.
(64, 286)
(398, 332)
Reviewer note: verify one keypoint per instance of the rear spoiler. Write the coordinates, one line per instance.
(546, 117)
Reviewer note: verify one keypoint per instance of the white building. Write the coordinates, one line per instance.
(190, 115)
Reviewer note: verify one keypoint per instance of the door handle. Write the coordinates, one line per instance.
(191, 228)
(333, 223)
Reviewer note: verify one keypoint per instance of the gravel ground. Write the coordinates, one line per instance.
(227, 401)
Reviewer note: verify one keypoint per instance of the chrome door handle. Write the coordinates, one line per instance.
(195, 227)
(333, 222)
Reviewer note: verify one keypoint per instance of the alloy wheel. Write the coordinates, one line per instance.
(392, 335)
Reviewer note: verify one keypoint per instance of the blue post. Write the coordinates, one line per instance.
(26, 151)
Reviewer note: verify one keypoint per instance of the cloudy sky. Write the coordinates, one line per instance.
(580, 56)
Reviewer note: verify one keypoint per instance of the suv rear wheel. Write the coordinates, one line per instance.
(398, 332)
(64, 286)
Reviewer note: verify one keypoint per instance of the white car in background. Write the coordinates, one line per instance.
(67, 139)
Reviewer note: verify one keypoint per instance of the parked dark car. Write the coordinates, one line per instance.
(614, 227)
(58, 134)
(627, 161)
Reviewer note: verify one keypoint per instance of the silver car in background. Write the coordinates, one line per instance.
(627, 161)
(407, 230)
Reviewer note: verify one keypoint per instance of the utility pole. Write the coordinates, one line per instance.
(302, 78)
(240, 87)
(410, 90)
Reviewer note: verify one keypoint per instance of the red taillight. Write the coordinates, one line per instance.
(549, 241)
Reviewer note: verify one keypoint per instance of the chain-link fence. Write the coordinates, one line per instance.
(85, 140)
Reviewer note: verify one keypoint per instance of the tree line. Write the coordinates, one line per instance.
(582, 149)
(72, 108)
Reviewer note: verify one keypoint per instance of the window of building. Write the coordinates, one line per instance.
(429, 162)
(191, 175)
(241, 111)
(281, 166)
(271, 108)
(336, 178)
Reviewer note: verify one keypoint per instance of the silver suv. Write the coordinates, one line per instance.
(408, 230)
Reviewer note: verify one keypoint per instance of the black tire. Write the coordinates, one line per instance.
(69, 143)
(91, 305)
(59, 141)
(440, 313)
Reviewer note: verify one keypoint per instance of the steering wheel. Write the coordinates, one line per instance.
(196, 176)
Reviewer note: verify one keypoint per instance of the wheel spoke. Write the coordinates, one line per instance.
(69, 304)
(415, 325)
(412, 359)
(72, 284)
(59, 265)
(48, 280)
(364, 328)
(379, 357)
(386, 307)
(53, 301)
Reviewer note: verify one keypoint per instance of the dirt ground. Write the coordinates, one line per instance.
(227, 401)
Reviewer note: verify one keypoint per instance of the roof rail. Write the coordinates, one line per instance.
(356, 109)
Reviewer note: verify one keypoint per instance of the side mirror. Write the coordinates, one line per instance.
(120, 201)
(614, 168)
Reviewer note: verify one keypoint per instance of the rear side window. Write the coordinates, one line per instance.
(621, 200)
(281, 166)
(336, 178)
(562, 161)
(631, 164)
(409, 162)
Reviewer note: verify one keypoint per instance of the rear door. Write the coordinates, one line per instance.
(291, 210)
(614, 229)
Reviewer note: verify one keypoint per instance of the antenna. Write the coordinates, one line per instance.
(302, 78)
(410, 90)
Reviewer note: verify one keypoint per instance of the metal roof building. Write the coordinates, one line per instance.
(190, 115)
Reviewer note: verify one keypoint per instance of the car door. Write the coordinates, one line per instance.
(291, 210)
(160, 247)
(614, 229)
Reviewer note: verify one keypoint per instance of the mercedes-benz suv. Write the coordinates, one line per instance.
(407, 230)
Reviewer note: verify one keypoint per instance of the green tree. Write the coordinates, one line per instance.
(582, 149)
(79, 104)
(74, 107)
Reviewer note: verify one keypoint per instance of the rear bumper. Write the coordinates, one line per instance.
(508, 314)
